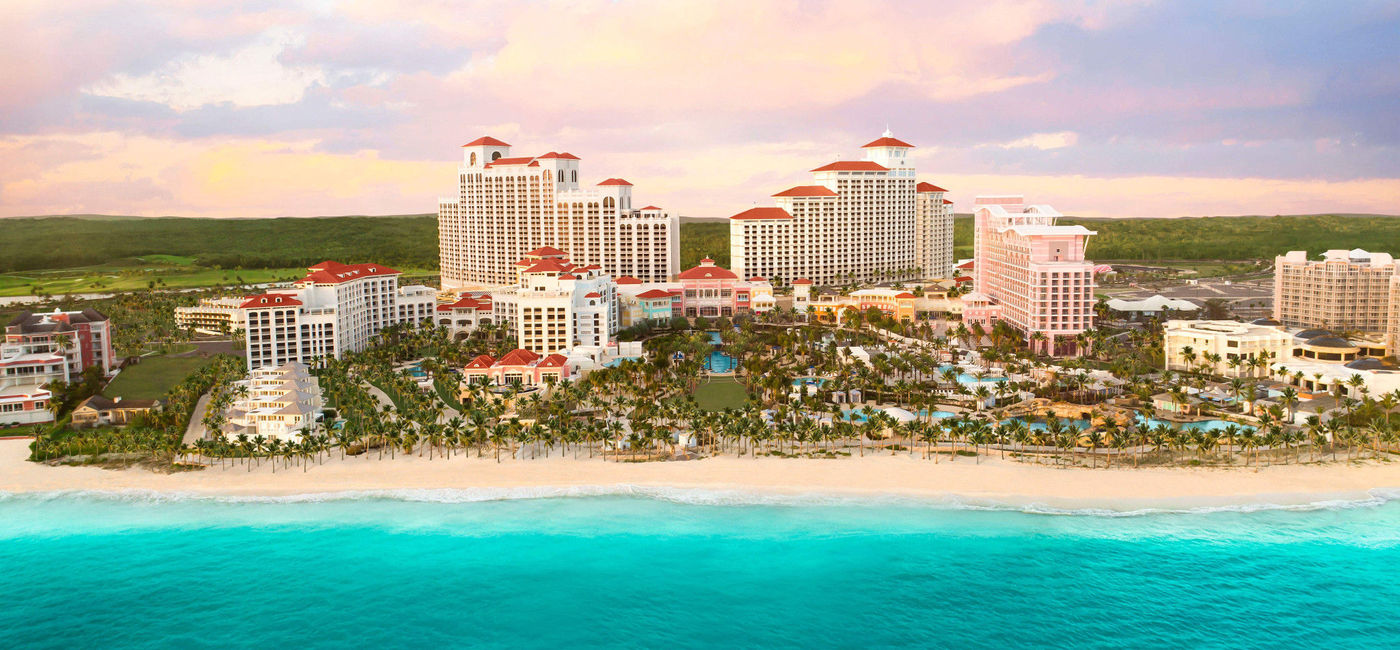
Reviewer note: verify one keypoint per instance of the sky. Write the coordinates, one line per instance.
(1103, 109)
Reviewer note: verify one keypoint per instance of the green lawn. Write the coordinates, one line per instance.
(153, 377)
(721, 393)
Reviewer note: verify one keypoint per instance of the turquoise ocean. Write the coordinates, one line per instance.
(686, 569)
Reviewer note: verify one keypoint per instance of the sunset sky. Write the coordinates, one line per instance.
(1108, 109)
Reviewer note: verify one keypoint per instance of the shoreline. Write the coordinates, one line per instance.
(992, 484)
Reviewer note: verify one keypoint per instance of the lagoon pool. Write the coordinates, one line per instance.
(964, 378)
(718, 362)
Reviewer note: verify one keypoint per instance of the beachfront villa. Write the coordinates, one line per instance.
(278, 402)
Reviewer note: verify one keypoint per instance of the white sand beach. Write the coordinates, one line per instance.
(992, 481)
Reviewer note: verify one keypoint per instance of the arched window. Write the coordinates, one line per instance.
(495, 155)
(574, 176)
(561, 176)
(473, 159)
(608, 202)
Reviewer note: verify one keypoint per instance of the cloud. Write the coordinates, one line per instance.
(1042, 141)
(253, 75)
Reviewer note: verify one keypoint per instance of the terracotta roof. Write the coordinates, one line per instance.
(928, 187)
(567, 276)
(592, 294)
(887, 142)
(526, 262)
(568, 156)
(329, 272)
(486, 140)
(269, 300)
(963, 278)
(525, 160)
(517, 357)
(482, 361)
(467, 302)
(708, 272)
(552, 361)
(651, 207)
(967, 265)
(627, 279)
(802, 281)
(549, 266)
(614, 181)
(807, 190)
(906, 294)
(763, 213)
(549, 156)
(546, 251)
(652, 294)
(947, 202)
(758, 278)
(853, 166)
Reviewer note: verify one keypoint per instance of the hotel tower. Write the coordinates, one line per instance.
(856, 222)
(507, 206)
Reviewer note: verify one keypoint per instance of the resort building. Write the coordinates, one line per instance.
(855, 223)
(336, 308)
(933, 232)
(556, 304)
(1030, 273)
(517, 368)
(1345, 290)
(279, 402)
(212, 316)
(704, 291)
(508, 205)
(41, 348)
(1138, 310)
(1225, 348)
(99, 410)
(463, 316)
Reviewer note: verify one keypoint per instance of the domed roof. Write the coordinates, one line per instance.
(1329, 341)
(1367, 364)
(1265, 321)
(1312, 334)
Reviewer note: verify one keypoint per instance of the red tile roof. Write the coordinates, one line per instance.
(651, 207)
(549, 266)
(807, 190)
(592, 294)
(552, 361)
(758, 278)
(887, 142)
(467, 302)
(547, 251)
(614, 181)
(802, 281)
(853, 166)
(947, 202)
(486, 140)
(568, 276)
(967, 265)
(270, 300)
(652, 294)
(524, 160)
(763, 213)
(329, 272)
(517, 357)
(928, 187)
(707, 271)
(549, 155)
(482, 361)
(906, 294)
(627, 279)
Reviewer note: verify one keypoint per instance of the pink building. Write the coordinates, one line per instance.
(706, 290)
(43, 347)
(1030, 273)
(520, 367)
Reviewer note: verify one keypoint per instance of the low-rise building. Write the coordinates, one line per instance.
(466, 314)
(1240, 349)
(519, 368)
(45, 347)
(212, 316)
(556, 305)
(706, 290)
(829, 306)
(1137, 310)
(98, 410)
(279, 402)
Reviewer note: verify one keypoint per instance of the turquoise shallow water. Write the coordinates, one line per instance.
(685, 569)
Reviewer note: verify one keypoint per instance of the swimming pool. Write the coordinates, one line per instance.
(718, 362)
(1144, 421)
(964, 378)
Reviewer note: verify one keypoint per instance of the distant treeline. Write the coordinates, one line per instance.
(67, 242)
(411, 241)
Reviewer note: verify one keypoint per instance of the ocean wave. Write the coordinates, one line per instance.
(715, 498)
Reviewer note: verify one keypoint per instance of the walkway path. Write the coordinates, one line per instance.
(195, 430)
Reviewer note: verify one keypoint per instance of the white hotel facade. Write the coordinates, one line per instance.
(856, 222)
(508, 205)
(336, 308)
